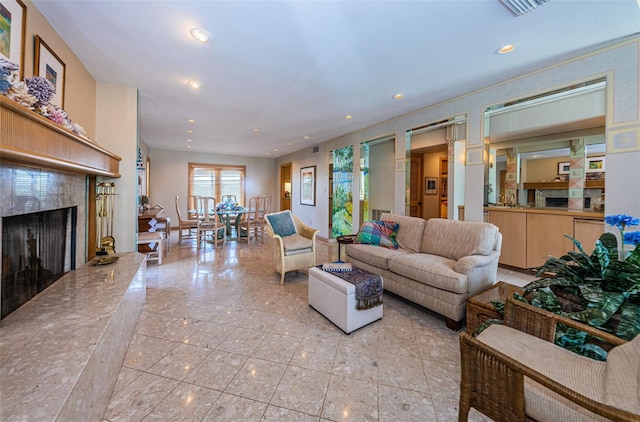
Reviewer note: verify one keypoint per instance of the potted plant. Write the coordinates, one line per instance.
(601, 289)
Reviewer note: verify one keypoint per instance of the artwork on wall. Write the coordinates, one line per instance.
(563, 167)
(342, 206)
(13, 22)
(308, 185)
(48, 65)
(430, 185)
(595, 164)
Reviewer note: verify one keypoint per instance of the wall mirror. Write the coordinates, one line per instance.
(528, 144)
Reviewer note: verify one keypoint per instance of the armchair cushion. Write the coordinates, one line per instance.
(578, 373)
(622, 376)
(380, 233)
(296, 244)
(282, 223)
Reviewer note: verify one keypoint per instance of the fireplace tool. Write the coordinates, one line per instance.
(105, 202)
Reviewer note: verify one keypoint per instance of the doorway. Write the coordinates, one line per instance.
(285, 186)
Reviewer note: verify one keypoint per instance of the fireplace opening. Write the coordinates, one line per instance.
(37, 249)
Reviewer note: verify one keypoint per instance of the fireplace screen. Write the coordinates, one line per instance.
(37, 249)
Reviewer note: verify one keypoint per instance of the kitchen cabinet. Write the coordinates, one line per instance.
(531, 235)
(513, 227)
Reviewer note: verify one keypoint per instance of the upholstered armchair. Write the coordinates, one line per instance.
(294, 242)
(514, 372)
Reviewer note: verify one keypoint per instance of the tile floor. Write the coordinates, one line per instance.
(219, 339)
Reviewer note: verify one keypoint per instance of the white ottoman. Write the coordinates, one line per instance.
(336, 300)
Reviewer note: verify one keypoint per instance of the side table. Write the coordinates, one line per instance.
(479, 307)
(344, 240)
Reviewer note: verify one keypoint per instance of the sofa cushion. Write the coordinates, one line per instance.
(432, 270)
(282, 223)
(455, 239)
(410, 230)
(373, 255)
(380, 233)
(622, 377)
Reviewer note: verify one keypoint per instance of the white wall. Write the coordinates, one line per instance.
(169, 177)
(618, 63)
(117, 131)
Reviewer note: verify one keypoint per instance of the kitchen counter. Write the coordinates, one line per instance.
(549, 211)
(531, 235)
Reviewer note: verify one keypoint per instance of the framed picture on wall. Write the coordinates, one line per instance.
(48, 65)
(430, 185)
(308, 185)
(595, 165)
(13, 23)
(563, 167)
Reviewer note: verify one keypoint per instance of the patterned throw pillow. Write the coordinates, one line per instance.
(380, 233)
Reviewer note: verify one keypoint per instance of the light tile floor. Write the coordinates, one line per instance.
(219, 339)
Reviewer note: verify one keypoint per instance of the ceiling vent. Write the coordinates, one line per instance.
(520, 7)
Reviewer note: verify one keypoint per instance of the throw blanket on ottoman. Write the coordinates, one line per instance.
(368, 286)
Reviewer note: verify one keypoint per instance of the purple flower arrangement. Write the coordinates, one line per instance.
(41, 88)
(34, 93)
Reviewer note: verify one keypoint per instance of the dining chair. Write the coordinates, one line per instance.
(207, 223)
(250, 224)
(192, 204)
(191, 224)
(264, 210)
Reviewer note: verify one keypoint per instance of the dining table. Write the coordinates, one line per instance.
(230, 217)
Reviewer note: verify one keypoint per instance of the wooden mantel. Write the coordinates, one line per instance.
(29, 138)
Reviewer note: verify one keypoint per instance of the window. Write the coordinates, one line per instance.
(217, 180)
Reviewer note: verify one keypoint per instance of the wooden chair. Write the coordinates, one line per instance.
(261, 213)
(208, 223)
(191, 225)
(294, 242)
(514, 372)
(229, 198)
(251, 224)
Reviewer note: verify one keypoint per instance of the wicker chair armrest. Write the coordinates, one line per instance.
(542, 323)
(305, 230)
(482, 364)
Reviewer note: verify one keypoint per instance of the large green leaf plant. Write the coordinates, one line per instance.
(598, 289)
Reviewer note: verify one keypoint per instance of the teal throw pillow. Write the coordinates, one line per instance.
(282, 223)
(380, 233)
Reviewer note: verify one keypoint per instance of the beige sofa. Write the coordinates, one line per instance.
(439, 263)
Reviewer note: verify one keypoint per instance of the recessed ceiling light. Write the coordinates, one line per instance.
(188, 146)
(506, 49)
(398, 97)
(191, 121)
(305, 137)
(189, 140)
(289, 143)
(348, 117)
(189, 131)
(200, 34)
(268, 153)
(255, 129)
(194, 84)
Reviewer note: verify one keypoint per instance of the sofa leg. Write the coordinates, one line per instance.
(453, 325)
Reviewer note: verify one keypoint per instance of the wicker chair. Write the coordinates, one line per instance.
(514, 372)
(293, 249)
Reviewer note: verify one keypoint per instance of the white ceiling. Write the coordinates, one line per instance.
(296, 68)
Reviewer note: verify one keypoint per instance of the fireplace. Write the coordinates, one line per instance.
(42, 212)
(37, 249)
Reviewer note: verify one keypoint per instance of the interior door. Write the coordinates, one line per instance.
(415, 195)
